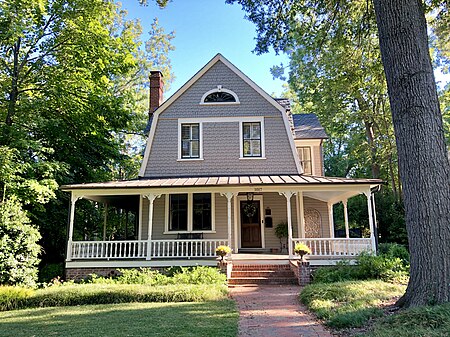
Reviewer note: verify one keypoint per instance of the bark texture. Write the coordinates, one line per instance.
(423, 162)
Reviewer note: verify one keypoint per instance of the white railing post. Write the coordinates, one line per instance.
(347, 230)
(151, 198)
(288, 195)
(73, 200)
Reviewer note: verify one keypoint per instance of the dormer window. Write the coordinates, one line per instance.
(219, 95)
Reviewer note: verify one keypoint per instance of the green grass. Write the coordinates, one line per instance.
(215, 318)
(81, 294)
(417, 322)
(349, 304)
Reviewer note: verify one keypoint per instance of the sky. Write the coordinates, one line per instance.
(204, 28)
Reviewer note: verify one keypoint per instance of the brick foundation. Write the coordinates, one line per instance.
(82, 273)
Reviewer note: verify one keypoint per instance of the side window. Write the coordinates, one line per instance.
(190, 141)
(304, 153)
(251, 138)
(201, 212)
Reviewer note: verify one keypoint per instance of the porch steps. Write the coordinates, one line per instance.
(254, 275)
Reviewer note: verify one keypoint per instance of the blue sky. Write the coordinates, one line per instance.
(204, 28)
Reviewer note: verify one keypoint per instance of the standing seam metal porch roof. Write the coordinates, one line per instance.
(222, 181)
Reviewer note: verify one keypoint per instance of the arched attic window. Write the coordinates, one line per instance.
(219, 95)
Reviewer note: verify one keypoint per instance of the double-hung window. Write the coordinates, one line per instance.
(304, 153)
(190, 141)
(189, 212)
(251, 139)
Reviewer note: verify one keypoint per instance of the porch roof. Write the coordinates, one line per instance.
(245, 180)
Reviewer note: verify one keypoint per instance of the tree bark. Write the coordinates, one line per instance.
(14, 91)
(423, 163)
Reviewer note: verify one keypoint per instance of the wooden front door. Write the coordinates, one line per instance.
(250, 224)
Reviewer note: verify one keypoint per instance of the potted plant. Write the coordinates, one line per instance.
(281, 232)
(223, 251)
(301, 249)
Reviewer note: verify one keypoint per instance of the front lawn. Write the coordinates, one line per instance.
(417, 322)
(349, 304)
(215, 318)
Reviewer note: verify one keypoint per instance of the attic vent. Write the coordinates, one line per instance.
(219, 96)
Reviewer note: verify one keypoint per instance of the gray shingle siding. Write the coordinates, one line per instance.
(220, 140)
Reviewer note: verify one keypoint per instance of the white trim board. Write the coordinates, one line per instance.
(188, 84)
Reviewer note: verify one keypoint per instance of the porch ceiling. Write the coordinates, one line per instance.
(330, 196)
(246, 180)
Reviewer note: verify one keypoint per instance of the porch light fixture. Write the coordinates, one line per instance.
(249, 196)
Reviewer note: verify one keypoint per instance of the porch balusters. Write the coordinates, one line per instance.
(151, 198)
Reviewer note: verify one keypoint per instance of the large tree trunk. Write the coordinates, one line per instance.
(423, 163)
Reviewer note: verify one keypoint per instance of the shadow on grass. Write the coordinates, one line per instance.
(217, 318)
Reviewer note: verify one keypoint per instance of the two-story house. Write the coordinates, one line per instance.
(224, 164)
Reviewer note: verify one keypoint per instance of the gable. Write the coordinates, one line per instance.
(219, 122)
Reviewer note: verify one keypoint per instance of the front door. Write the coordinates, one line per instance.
(250, 224)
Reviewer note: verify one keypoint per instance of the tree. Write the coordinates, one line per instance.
(423, 162)
(75, 78)
(18, 245)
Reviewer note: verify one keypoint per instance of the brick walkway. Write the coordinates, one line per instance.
(274, 311)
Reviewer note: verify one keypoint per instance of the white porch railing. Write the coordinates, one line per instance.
(134, 249)
(185, 248)
(129, 249)
(332, 247)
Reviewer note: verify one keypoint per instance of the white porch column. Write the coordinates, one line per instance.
(288, 195)
(73, 200)
(331, 219)
(371, 225)
(229, 196)
(141, 201)
(105, 220)
(151, 198)
(236, 231)
(347, 230)
(301, 214)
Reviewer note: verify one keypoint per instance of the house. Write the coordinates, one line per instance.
(224, 164)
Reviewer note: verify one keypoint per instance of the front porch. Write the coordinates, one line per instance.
(240, 212)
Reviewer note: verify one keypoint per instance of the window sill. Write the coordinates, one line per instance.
(193, 232)
(189, 159)
(220, 103)
(252, 158)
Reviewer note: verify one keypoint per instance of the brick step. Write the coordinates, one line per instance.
(261, 280)
(243, 267)
(262, 273)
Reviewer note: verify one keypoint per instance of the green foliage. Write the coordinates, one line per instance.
(390, 265)
(348, 304)
(83, 294)
(18, 245)
(281, 230)
(51, 271)
(183, 275)
(422, 321)
(13, 297)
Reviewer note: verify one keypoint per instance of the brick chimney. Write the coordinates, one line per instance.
(156, 91)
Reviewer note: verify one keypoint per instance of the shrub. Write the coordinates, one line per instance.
(394, 250)
(83, 294)
(339, 273)
(147, 276)
(13, 297)
(18, 245)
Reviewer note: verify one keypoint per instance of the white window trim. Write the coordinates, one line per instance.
(200, 135)
(241, 140)
(190, 214)
(220, 89)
